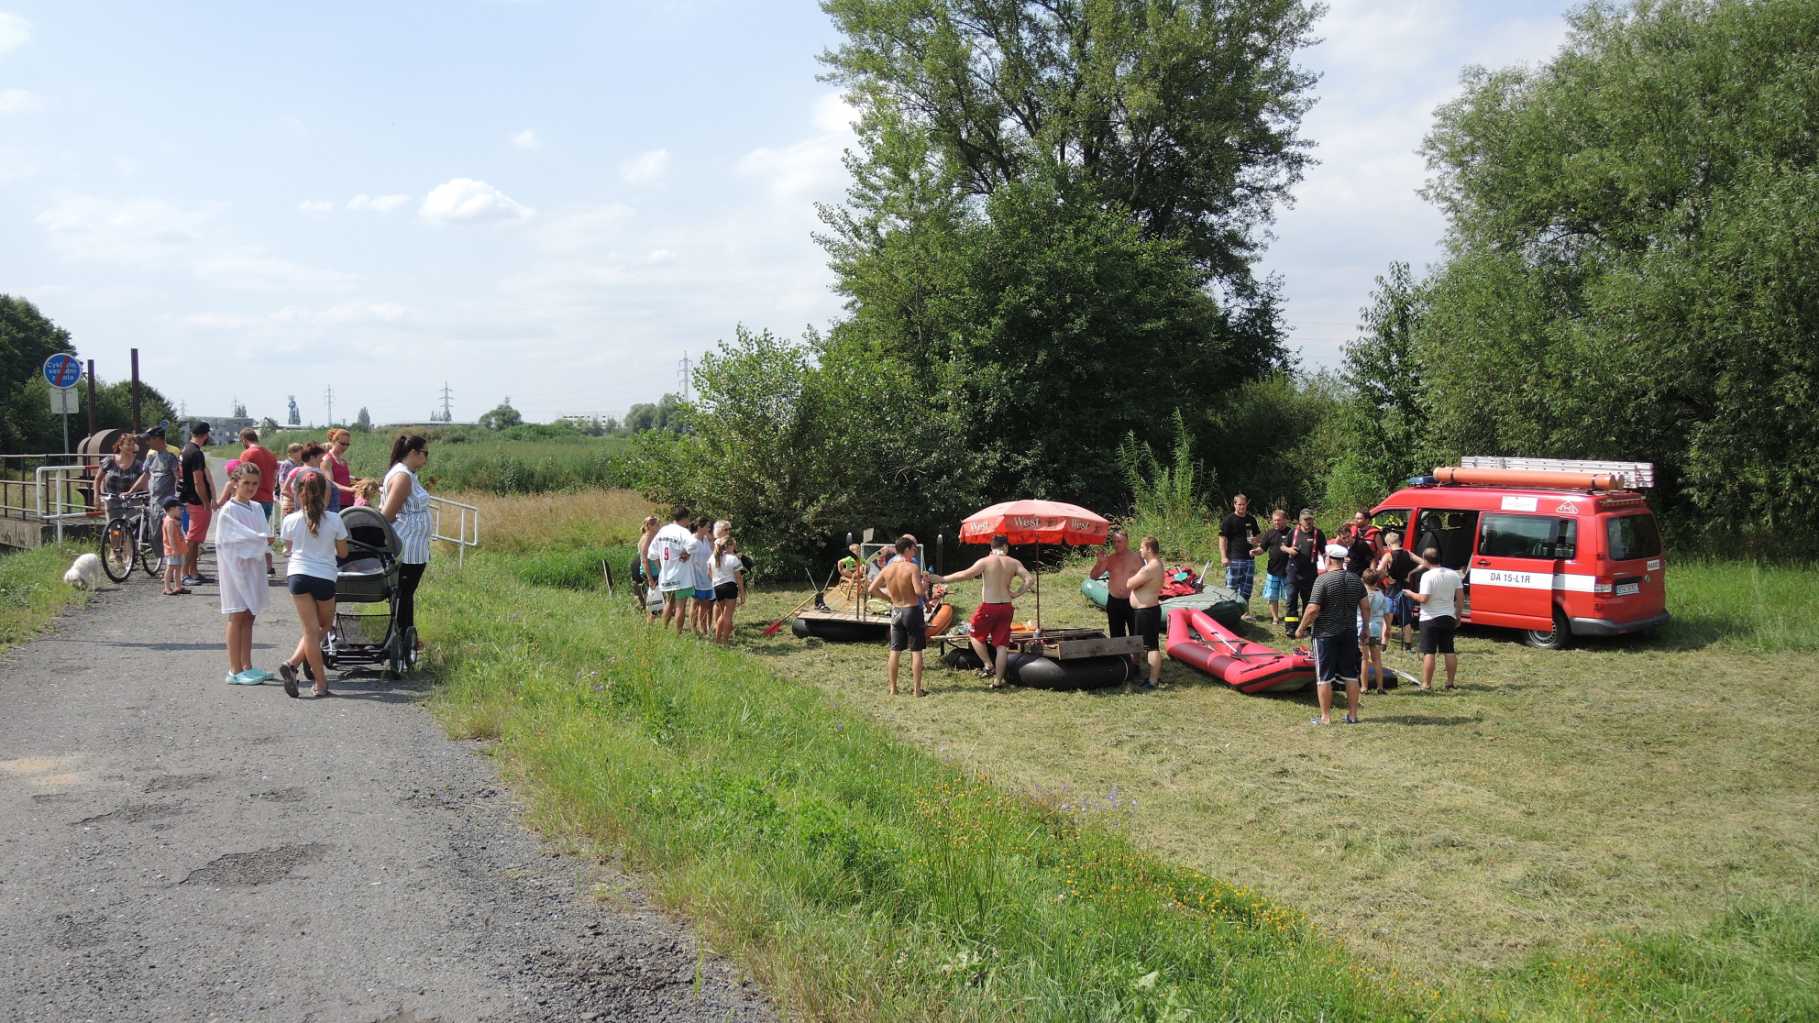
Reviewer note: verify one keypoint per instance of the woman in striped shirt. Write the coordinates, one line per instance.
(405, 504)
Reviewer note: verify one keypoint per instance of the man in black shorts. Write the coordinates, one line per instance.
(905, 585)
(1117, 565)
(1439, 593)
(1334, 609)
(1146, 607)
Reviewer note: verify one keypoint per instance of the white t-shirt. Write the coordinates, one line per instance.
(312, 555)
(672, 542)
(726, 569)
(703, 562)
(1441, 588)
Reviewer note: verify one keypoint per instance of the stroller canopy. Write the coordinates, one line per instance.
(365, 526)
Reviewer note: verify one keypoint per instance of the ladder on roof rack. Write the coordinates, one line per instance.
(1633, 475)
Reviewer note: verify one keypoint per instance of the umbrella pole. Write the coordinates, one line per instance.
(1038, 589)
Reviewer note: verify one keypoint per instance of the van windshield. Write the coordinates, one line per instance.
(1632, 537)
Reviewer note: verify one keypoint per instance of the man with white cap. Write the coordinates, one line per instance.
(1334, 609)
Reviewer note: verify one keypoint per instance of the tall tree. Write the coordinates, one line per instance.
(27, 338)
(1633, 228)
(1384, 418)
(1049, 196)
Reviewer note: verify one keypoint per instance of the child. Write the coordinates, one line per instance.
(314, 537)
(702, 562)
(366, 493)
(242, 538)
(729, 587)
(1372, 631)
(292, 455)
(175, 547)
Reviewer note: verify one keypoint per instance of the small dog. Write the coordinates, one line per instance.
(85, 574)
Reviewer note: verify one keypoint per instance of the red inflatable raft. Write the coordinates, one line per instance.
(1196, 640)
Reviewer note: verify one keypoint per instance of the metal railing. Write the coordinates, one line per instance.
(53, 487)
(467, 525)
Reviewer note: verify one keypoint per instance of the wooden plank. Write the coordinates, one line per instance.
(1096, 646)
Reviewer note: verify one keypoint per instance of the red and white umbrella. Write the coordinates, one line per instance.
(1037, 522)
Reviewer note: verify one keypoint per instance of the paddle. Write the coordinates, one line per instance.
(773, 628)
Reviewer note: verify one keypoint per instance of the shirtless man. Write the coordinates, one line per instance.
(905, 586)
(992, 618)
(1117, 566)
(1146, 606)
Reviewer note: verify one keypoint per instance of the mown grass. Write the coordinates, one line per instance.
(32, 590)
(1624, 831)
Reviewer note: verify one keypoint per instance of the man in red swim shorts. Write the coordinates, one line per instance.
(992, 619)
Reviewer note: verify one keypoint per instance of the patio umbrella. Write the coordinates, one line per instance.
(1035, 522)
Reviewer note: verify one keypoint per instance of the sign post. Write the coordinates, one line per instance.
(63, 371)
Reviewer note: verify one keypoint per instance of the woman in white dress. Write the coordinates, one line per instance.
(404, 503)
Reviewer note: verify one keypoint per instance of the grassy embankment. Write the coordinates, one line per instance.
(1624, 831)
(32, 590)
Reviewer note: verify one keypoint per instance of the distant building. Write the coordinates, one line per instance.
(221, 429)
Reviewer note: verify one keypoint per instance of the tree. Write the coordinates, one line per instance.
(1383, 417)
(1632, 231)
(1184, 113)
(27, 338)
(364, 421)
(501, 417)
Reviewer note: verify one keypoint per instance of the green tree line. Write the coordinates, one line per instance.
(27, 425)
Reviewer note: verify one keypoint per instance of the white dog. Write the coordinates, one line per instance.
(85, 574)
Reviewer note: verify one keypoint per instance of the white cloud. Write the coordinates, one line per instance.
(123, 231)
(647, 168)
(317, 206)
(378, 203)
(527, 139)
(253, 268)
(467, 201)
(19, 101)
(658, 257)
(14, 31)
(809, 170)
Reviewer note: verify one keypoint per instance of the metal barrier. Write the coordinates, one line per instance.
(52, 484)
(467, 525)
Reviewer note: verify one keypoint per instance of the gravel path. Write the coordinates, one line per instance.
(175, 848)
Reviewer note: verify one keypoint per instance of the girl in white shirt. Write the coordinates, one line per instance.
(729, 587)
(315, 538)
(242, 533)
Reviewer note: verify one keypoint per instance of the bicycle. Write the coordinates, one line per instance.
(134, 535)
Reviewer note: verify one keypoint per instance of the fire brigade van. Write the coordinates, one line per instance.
(1554, 548)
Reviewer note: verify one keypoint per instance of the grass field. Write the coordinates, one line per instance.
(1626, 829)
(522, 460)
(32, 590)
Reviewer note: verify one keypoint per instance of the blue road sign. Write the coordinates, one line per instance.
(63, 370)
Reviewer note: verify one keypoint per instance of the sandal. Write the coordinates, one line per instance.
(1350, 720)
(289, 671)
(320, 692)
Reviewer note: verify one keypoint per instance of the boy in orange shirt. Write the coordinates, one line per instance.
(175, 547)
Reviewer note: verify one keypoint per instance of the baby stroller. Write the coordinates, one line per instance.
(367, 577)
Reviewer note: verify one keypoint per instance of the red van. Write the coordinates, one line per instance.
(1555, 548)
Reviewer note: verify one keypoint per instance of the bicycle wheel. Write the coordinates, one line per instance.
(151, 553)
(117, 549)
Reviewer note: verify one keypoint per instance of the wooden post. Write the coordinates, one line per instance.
(91, 397)
(136, 424)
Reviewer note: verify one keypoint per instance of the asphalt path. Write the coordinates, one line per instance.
(175, 848)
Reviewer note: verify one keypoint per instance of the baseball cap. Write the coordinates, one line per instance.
(198, 428)
(169, 503)
(1334, 550)
(156, 431)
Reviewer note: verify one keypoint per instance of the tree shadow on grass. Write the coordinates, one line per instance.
(1417, 720)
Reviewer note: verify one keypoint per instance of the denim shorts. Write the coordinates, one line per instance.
(704, 594)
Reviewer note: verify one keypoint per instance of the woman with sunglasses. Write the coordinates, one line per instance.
(405, 504)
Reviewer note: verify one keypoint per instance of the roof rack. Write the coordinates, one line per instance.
(1633, 475)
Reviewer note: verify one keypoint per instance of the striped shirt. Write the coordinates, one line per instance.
(413, 524)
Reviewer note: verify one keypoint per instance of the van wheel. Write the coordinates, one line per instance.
(1556, 639)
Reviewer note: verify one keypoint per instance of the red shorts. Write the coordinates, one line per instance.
(198, 523)
(992, 623)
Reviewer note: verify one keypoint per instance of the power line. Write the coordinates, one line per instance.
(684, 375)
(448, 407)
(329, 396)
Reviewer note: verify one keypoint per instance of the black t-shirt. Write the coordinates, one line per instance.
(1309, 546)
(1401, 564)
(1361, 556)
(1238, 531)
(1273, 542)
(1338, 594)
(194, 461)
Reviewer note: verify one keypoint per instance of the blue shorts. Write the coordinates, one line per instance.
(704, 594)
(1275, 589)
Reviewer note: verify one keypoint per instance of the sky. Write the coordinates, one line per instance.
(551, 202)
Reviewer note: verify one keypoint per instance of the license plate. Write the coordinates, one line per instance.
(1628, 589)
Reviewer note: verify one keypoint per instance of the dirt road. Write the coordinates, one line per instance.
(175, 848)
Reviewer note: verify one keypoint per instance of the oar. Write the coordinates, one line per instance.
(774, 627)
